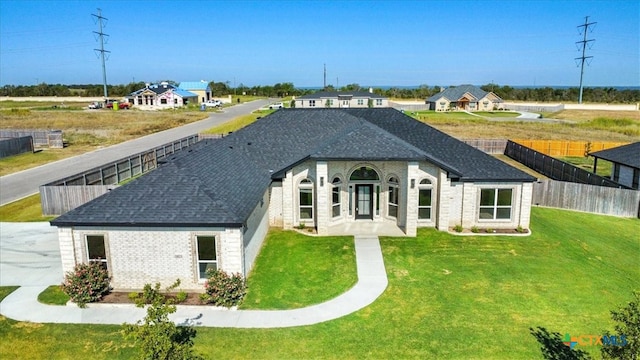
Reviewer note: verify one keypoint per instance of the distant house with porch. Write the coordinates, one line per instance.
(325, 169)
(161, 96)
(200, 88)
(626, 164)
(341, 99)
(464, 98)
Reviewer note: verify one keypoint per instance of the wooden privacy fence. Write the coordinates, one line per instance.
(14, 146)
(41, 138)
(489, 146)
(588, 198)
(567, 148)
(554, 168)
(66, 194)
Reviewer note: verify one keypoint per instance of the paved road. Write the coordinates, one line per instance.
(16, 186)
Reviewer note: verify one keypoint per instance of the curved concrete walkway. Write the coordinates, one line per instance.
(23, 305)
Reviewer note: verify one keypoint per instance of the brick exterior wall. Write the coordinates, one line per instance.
(257, 229)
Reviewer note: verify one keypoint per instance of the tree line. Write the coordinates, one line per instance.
(223, 88)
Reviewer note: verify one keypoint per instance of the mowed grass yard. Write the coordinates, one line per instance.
(449, 297)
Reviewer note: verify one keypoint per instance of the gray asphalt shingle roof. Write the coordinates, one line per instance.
(335, 94)
(455, 93)
(219, 182)
(628, 155)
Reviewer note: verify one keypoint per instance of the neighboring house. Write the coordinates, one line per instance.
(464, 98)
(211, 206)
(341, 99)
(200, 88)
(626, 164)
(161, 96)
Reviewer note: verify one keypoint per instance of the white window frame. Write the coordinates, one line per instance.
(423, 185)
(307, 185)
(205, 261)
(105, 261)
(337, 185)
(312, 103)
(394, 187)
(378, 102)
(494, 206)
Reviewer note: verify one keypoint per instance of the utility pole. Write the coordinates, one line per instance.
(583, 28)
(324, 86)
(102, 51)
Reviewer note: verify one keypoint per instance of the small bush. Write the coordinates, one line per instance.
(86, 283)
(223, 289)
(457, 228)
(181, 296)
(521, 230)
(475, 229)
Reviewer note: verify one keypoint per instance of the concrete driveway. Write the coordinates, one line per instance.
(29, 254)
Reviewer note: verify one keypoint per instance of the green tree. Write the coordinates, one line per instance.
(553, 348)
(627, 320)
(157, 336)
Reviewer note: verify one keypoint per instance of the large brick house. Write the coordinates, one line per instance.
(464, 98)
(213, 205)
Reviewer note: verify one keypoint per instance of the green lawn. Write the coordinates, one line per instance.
(24, 210)
(449, 297)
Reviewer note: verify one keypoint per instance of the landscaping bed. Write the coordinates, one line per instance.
(120, 297)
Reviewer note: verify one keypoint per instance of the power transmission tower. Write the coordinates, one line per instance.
(102, 51)
(583, 28)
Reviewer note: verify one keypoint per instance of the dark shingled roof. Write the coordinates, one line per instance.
(628, 155)
(219, 182)
(455, 93)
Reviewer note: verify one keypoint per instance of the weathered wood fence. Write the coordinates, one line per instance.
(554, 168)
(41, 138)
(489, 146)
(588, 198)
(68, 193)
(15, 146)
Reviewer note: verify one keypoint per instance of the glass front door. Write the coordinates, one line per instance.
(364, 203)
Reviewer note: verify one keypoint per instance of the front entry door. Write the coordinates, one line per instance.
(364, 203)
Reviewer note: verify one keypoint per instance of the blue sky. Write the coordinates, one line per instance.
(371, 43)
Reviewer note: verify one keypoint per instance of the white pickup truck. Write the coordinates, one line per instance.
(213, 103)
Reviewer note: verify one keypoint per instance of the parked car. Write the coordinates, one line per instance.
(121, 105)
(277, 105)
(95, 105)
(212, 103)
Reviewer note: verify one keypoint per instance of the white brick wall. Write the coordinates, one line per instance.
(275, 205)
(67, 249)
(140, 256)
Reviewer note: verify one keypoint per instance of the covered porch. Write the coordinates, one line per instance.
(367, 227)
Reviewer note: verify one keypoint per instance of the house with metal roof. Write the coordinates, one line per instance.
(200, 88)
(464, 98)
(626, 164)
(161, 96)
(332, 170)
(341, 99)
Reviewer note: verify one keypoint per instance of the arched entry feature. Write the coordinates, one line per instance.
(364, 185)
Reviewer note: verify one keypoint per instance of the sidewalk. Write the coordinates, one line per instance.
(23, 305)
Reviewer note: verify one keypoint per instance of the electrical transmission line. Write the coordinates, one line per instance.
(583, 29)
(102, 51)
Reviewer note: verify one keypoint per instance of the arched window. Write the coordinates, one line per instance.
(305, 199)
(393, 196)
(335, 196)
(364, 173)
(424, 199)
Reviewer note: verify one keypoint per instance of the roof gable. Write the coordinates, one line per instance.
(220, 182)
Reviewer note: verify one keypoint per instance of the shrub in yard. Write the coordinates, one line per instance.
(457, 228)
(86, 283)
(223, 289)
